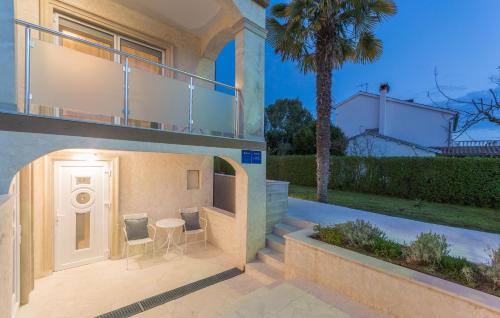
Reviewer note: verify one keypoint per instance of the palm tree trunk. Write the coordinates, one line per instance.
(323, 111)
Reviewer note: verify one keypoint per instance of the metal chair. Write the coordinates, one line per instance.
(144, 241)
(202, 229)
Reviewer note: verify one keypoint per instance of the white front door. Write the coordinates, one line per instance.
(81, 204)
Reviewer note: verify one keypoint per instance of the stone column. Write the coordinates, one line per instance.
(7, 57)
(206, 69)
(249, 77)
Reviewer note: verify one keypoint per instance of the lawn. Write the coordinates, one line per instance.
(469, 217)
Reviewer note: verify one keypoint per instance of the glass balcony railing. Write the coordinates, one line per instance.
(65, 83)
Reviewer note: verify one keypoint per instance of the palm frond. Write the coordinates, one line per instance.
(368, 48)
(342, 30)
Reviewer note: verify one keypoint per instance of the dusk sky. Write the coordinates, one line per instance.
(459, 38)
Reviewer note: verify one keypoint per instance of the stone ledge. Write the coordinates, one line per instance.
(424, 283)
(216, 211)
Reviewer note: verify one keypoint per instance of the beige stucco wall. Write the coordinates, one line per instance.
(393, 290)
(156, 183)
(6, 269)
(223, 232)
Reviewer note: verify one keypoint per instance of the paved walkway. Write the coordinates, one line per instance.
(245, 297)
(465, 243)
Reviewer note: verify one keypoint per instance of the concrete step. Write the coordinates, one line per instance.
(272, 258)
(281, 229)
(301, 224)
(275, 242)
(264, 273)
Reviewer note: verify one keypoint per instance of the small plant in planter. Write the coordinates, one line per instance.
(361, 234)
(427, 254)
(427, 249)
(328, 234)
(491, 271)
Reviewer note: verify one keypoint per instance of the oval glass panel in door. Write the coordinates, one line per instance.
(82, 198)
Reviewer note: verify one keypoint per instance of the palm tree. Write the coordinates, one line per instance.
(321, 35)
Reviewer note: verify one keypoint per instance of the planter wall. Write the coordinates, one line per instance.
(393, 290)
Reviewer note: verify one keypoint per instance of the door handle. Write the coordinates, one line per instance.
(59, 218)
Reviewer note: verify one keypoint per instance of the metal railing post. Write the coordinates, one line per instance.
(125, 92)
(27, 70)
(237, 114)
(191, 88)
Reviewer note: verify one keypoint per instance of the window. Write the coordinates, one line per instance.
(109, 39)
(142, 51)
(87, 33)
(193, 179)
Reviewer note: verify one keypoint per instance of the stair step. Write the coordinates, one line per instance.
(263, 272)
(301, 224)
(281, 229)
(273, 258)
(275, 242)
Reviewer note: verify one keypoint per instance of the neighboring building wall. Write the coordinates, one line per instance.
(276, 202)
(359, 114)
(420, 126)
(371, 146)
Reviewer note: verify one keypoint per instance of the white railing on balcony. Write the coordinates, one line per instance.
(70, 82)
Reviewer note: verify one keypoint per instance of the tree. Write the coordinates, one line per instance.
(321, 35)
(304, 140)
(473, 111)
(282, 120)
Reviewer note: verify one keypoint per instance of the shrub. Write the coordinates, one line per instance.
(328, 234)
(459, 268)
(469, 275)
(491, 271)
(469, 181)
(387, 249)
(427, 249)
(361, 234)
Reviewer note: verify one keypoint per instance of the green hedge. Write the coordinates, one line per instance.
(467, 181)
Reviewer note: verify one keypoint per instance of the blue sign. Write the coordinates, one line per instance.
(246, 156)
(257, 157)
(251, 157)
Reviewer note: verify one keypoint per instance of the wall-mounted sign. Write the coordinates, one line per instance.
(251, 157)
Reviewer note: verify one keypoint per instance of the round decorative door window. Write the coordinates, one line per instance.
(82, 198)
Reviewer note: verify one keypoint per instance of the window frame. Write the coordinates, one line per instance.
(117, 37)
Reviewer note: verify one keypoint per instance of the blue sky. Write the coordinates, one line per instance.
(459, 38)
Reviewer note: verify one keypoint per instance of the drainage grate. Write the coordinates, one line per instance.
(123, 312)
(170, 295)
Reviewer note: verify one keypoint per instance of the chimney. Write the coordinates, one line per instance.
(382, 109)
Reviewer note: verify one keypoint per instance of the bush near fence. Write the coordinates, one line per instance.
(466, 181)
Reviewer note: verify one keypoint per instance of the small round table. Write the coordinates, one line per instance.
(170, 225)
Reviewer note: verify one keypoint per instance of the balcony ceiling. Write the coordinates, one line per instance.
(194, 16)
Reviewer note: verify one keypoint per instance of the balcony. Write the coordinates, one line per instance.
(68, 84)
